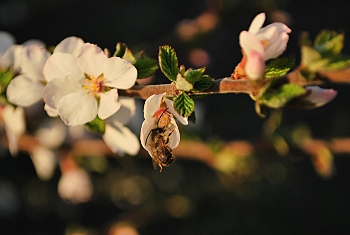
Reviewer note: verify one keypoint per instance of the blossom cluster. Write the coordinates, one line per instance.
(79, 82)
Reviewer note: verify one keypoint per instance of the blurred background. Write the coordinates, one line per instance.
(253, 176)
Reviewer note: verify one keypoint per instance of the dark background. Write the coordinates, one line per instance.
(301, 203)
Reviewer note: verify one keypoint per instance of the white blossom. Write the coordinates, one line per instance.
(84, 82)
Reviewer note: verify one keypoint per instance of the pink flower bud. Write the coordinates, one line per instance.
(255, 66)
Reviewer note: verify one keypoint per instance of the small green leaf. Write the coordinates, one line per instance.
(97, 125)
(203, 84)
(329, 42)
(277, 98)
(194, 75)
(124, 52)
(338, 62)
(279, 67)
(182, 84)
(168, 62)
(184, 105)
(5, 78)
(145, 67)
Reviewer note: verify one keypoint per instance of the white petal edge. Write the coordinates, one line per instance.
(257, 23)
(44, 161)
(91, 60)
(120, 139)
(109, 104)
(126, 111)
(71, 45)
(77, 108)
(23, 91)
(119, 73)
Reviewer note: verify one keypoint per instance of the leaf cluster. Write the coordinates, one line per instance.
(186, 81)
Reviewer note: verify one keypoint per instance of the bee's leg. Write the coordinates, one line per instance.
(168, 138)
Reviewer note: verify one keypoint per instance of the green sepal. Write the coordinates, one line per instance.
(184, 105)
(194, 75)
(203, 84)
(329, 42)
(5, 78)
(279, 67)
(279, 96)
(97, 125)
(168, 62)
(145, 66)
(124, 52)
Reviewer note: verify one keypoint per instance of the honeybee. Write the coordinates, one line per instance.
(162, 154)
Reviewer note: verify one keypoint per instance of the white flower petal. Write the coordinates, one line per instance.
(75, 186)
(60, 65)
(44, 161)
(92, 60)
(120, 139)
(23, 91)
(119, 73)
(152, 106)
(77, 108)
(71, 45)
(34, 42)
(51, 134)
(51, 112)
(255, 66)
(15, 126)
(11, 57)
(249, 42)
(320, 96)
(108, 104)
(59, 87)
(257, 23)
(32, 60)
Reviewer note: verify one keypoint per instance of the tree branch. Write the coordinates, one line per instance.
(227, 85)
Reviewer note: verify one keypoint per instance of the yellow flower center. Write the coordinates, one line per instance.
(92, 84)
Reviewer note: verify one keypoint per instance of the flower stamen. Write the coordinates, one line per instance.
(92, 84)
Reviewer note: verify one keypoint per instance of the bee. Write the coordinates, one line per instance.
(162, 154)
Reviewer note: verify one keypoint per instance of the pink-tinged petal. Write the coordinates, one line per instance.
(255, 66)
(59, 65)
(44, 161)
(23, 91)
(75, 186)
(152, 105)
(126, 111)
(91, 60)
(120, 139)
(59, 87)
(51, 112)
(34, 42)
(15, 126)
(119, 73)
(249, 42)
(32, 60)
(170, 105)
(320, 96)
(71, 45)
(257, 23)
(108, 104)
(6, 40)
(77, 108)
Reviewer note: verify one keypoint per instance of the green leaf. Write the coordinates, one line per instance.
(329, 42)
(5, 78)
(277, 98)
(182, 84)
(203, 84)
(124, 52)
(168, 62)
(97, 125)
(184, 105)
(338, 62)
(279, 67)
(194, 75)
(145, 67)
